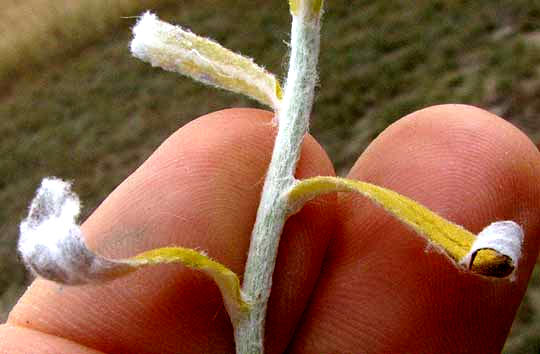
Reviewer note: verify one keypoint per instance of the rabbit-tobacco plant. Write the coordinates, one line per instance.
(52, 245)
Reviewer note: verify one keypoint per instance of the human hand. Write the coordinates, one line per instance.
(349, 278)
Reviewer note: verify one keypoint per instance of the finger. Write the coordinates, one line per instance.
(383, 289)
(19, 340)
(200, 189)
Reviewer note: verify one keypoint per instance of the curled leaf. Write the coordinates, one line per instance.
(52, 246)
(175, 49)
(495, 252)
(51, 242)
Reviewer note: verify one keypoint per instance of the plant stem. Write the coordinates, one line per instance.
(272, 213)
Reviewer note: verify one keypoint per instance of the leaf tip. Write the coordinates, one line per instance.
(496, 250)
(51, 243)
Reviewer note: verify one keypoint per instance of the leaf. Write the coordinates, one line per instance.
(51, 243)
(457, 242)
(175, 49)
(227, 280)
(314, 7)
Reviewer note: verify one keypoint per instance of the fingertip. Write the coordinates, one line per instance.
(473, 168)
(383, 288)
(470, 165)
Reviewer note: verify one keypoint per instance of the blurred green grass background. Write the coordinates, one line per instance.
(75, 104)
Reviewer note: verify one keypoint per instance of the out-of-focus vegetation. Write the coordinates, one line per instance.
(35, 32)
(73, 103)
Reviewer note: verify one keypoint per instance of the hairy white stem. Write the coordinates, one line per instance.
(293, 125)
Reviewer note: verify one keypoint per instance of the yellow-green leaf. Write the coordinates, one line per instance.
(227, 280)
(313, 7)
(294, 6)
(452, 238)
(176, 49)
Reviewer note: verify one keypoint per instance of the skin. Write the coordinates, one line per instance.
(349, 278)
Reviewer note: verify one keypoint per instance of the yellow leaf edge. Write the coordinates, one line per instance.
(226, 280)
(452, 238)
(315, 6)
